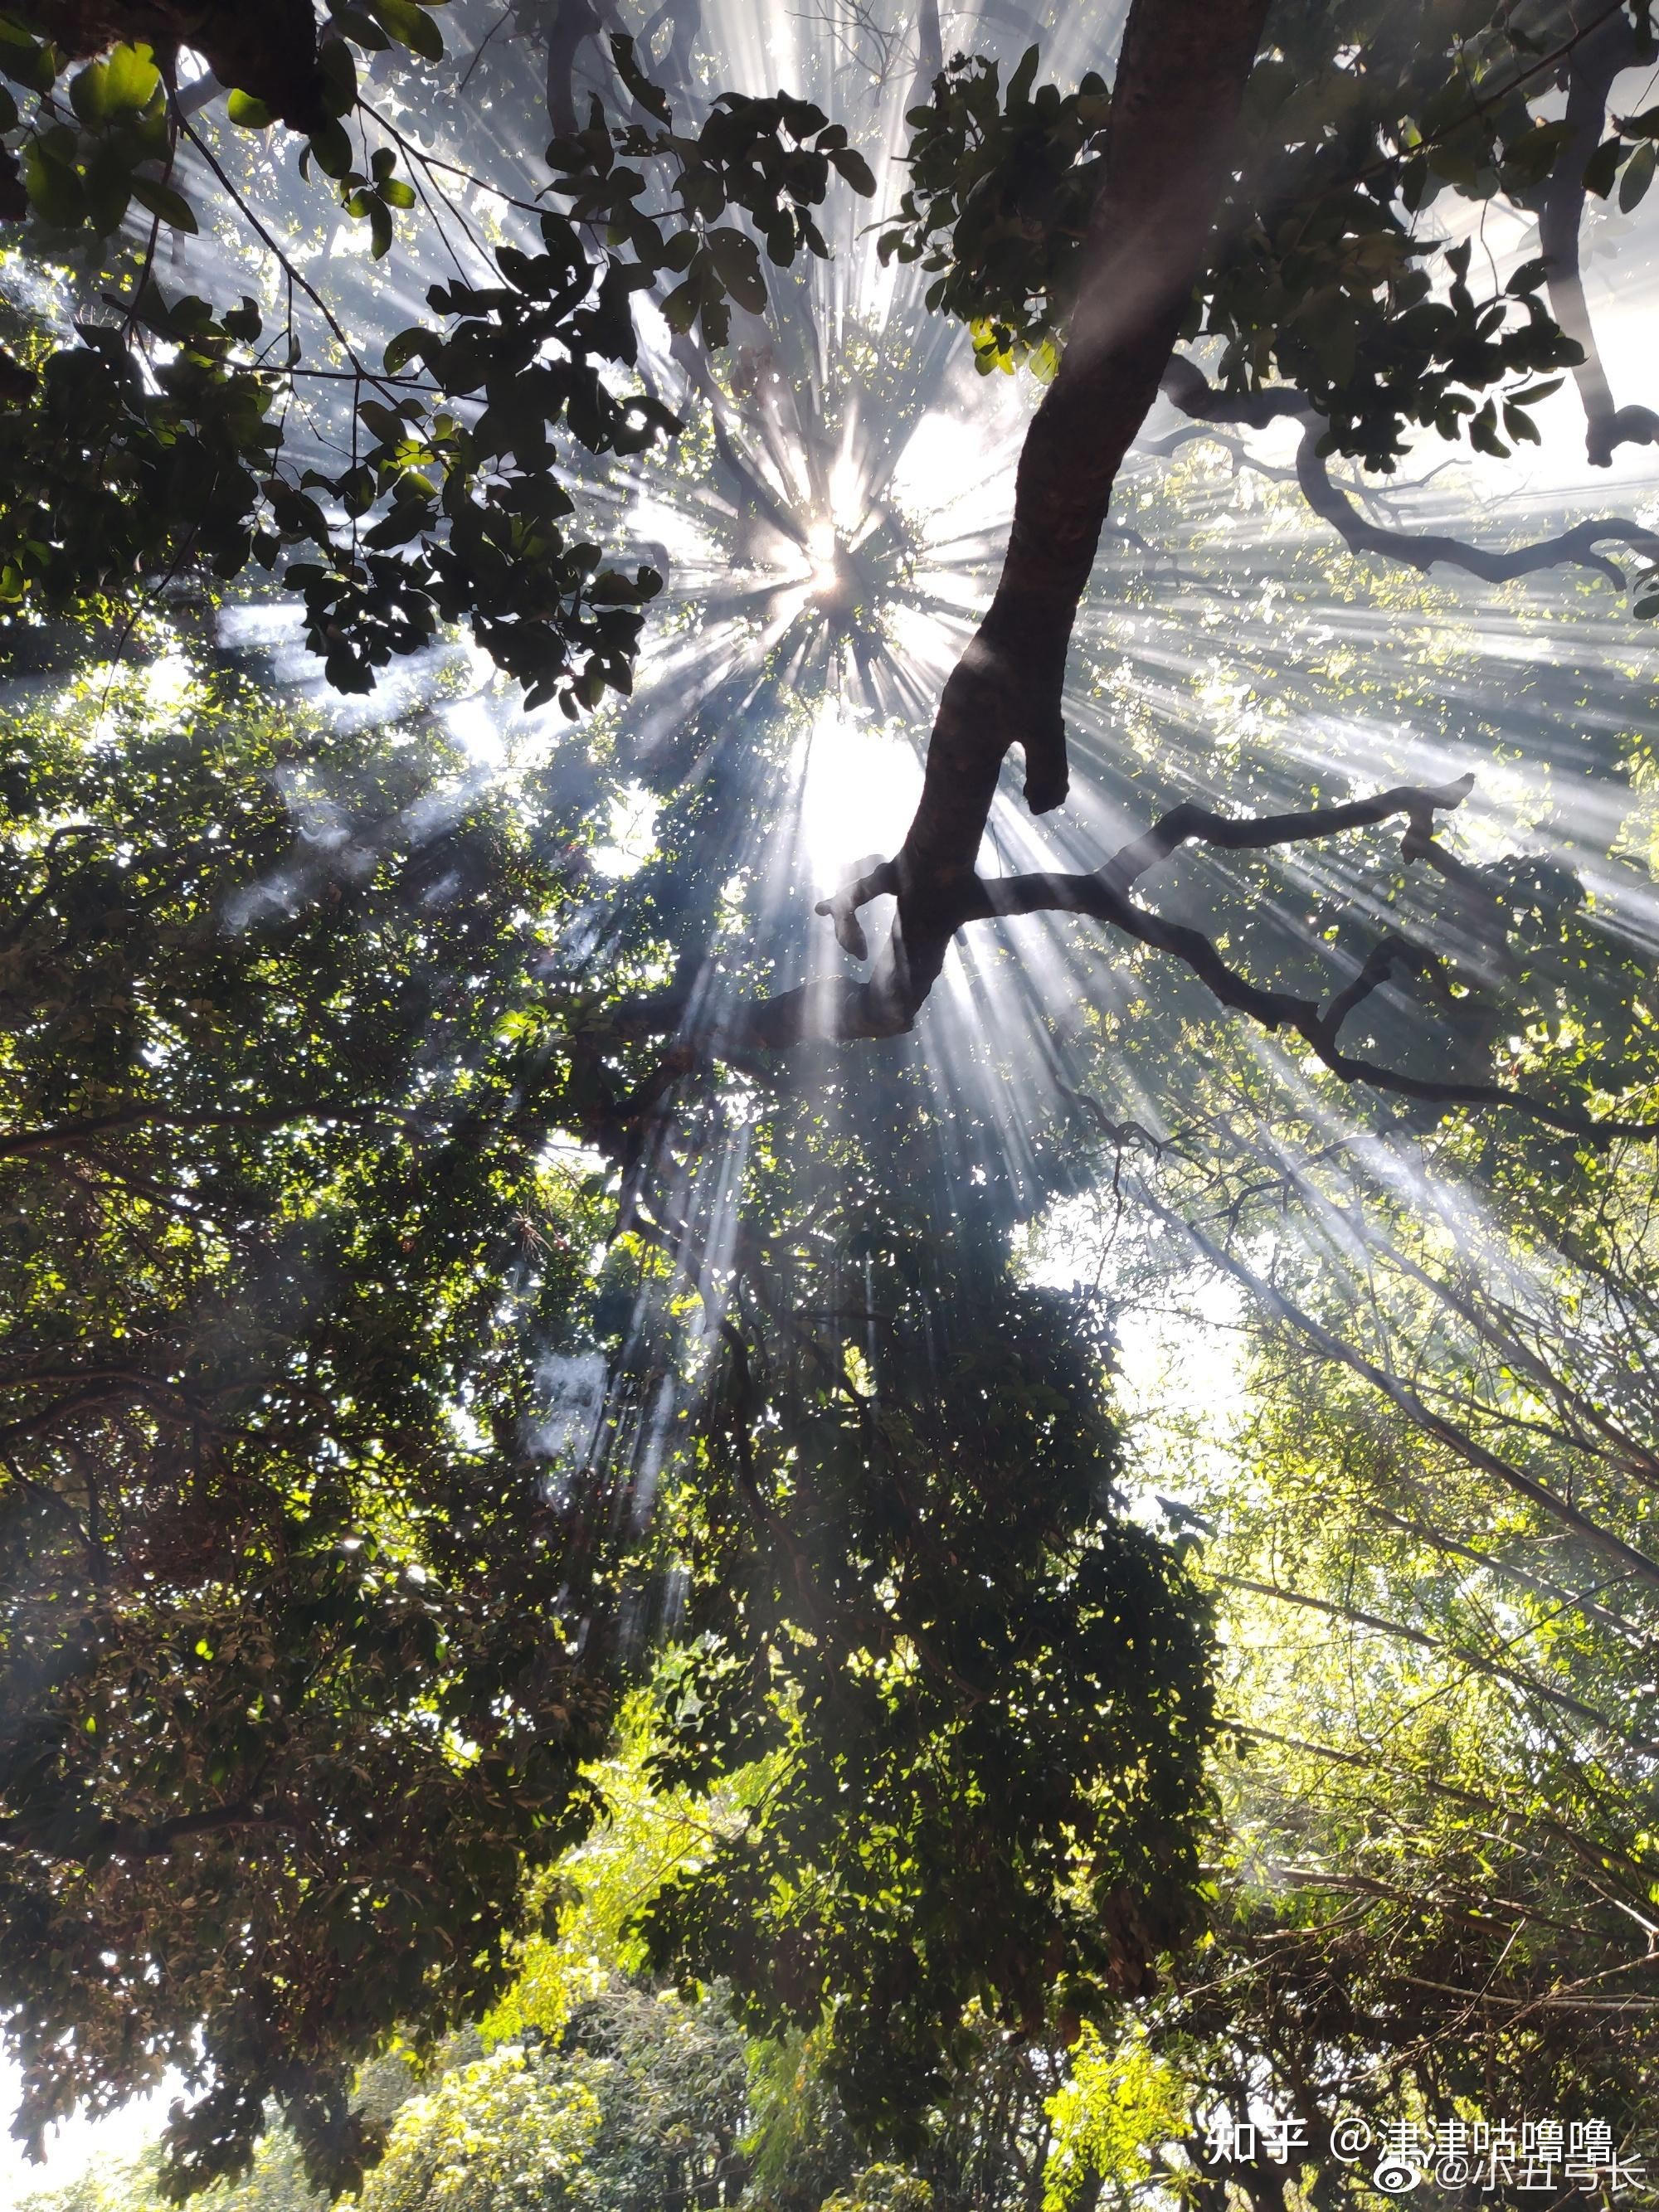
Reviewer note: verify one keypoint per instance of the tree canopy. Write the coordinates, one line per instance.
(505, 1324)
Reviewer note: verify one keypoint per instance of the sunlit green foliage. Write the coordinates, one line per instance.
(496, 2136)
(287, 1684)
(329, 1160)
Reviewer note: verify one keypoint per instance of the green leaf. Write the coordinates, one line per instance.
(332, 149)
(1603, 166)
(1638, 175)
(1025, 76)
(736, 263)
(25, 58)
(338, 71)
(680, 308)
(1483, 432)
(855, 169)
(410, 25)
(161, 200)
(107, 187)
(354, 23)
(53, 187)
(408, 346)
(1530, 158)
(1519, 425)
(123, 83)
(248, 113)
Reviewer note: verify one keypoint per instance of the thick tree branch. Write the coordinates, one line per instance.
(1181, 76)
(1595, 61)
(1185, 385)
(1180, 80)
(146, 1839)
(930, 55)
(839, 1009)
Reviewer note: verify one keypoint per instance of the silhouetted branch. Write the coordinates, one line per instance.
(1595, 61)
(1209, 408)
(1180, 80)
(839, 1009)
(1425, 550)
(1185, 385)
(1181, 74)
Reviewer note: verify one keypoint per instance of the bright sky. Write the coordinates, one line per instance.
(73, 2148)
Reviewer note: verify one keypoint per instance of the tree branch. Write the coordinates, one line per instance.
(1175, 103)
(1187, 388)
(1424, 550)
(1594, 62)
(1181, 74)
(1465, 1447)
(838, 1009)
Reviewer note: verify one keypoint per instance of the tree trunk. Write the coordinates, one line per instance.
(1175, 104)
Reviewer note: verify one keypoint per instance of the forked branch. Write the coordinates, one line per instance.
(1181, 74)
(840, 1008)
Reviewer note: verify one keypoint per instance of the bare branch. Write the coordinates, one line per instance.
(1423, 550)
(875, 878)
(1209, 408)
(1259, 833)
(838, 1009)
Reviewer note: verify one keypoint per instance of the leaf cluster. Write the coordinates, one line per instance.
(293, 1685)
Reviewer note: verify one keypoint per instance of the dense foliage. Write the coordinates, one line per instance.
(592, 1620)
